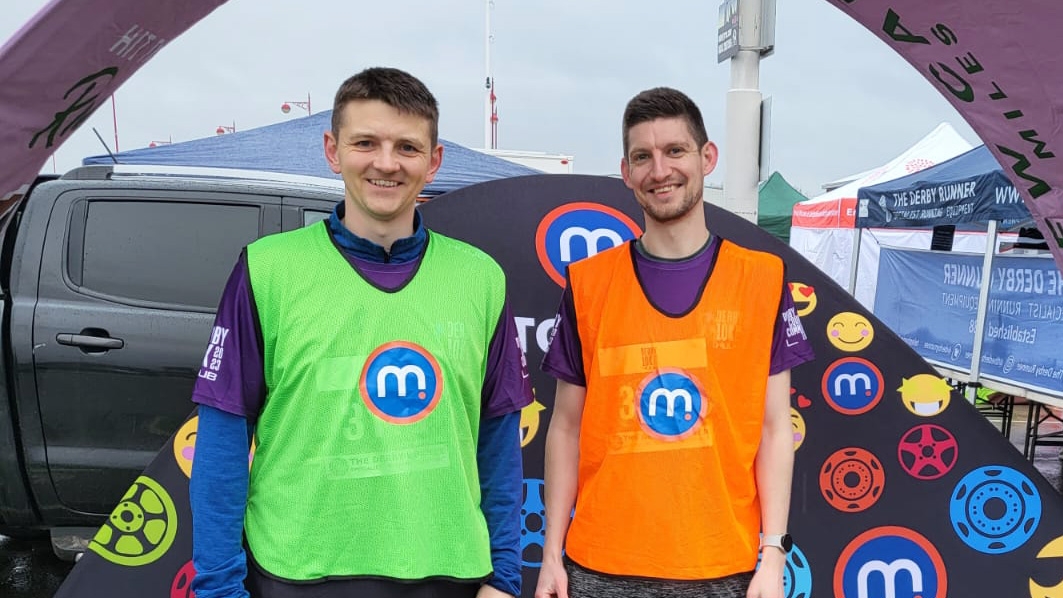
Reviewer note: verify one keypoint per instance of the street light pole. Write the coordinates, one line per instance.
(743, 139)
(114, 116)
(286, 107)
(490, 113)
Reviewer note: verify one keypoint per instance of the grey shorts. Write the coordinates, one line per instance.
(584, 583)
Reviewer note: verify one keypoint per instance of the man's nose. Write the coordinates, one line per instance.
(659, 168)
(385, 160)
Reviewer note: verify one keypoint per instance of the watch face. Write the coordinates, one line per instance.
(787, 542)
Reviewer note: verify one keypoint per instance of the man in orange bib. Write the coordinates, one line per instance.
(671, 431)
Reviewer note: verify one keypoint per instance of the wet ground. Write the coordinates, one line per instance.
(29, 569)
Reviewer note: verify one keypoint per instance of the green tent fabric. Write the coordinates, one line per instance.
(775, 206)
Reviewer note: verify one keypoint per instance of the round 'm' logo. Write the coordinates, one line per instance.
(890, 561)
(852, 385)
(671, 404)
(579, 230)
(401, 382)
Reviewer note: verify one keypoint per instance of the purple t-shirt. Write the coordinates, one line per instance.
(232, 376)
(673, 287)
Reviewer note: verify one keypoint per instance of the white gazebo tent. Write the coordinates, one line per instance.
(824, 227)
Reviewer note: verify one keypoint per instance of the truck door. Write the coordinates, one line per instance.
(128, 289)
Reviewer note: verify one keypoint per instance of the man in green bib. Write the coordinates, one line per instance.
(376, 366)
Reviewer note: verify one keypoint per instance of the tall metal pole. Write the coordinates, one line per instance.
(854, 264)
(742, 149)
(114, 115)
(983, 309)
(488, 83)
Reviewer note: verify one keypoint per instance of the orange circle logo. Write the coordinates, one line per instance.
(852, 479)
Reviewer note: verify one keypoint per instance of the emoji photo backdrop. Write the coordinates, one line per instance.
(900, 489)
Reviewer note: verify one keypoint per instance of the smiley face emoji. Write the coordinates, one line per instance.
(184, 445)
(1050, 554)
(798, 423)
(925, 395)
(850, 332)
(804, 297)
(529, 422)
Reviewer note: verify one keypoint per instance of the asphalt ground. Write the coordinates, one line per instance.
(29, 568)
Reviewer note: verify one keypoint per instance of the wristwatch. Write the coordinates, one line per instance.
(780, 541)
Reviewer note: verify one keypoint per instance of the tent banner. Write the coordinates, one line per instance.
(833, 214)
(970, 188)
(837, 208)
(975, 199)
(930, 300)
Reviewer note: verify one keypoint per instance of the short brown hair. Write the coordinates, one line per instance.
(664, 102)
(396, 88)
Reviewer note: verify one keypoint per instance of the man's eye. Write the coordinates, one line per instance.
(676, 151)
(363, 143)
(638, 158)
(408, 148)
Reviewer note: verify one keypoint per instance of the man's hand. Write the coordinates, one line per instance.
(487, 591)
(767, 581)
(553, 580)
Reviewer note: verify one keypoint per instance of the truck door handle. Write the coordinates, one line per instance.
(88, 342)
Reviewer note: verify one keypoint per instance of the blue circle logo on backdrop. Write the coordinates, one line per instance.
(995, 509)
(890, 561)
(401, 382)
(852, 385)
(671, 404)
(579, 230)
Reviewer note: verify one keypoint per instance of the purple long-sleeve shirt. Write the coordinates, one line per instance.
(673, 286)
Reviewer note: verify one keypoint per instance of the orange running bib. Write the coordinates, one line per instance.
(672, 419)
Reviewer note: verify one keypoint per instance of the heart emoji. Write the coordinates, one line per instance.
(804, 298)
(803, 401)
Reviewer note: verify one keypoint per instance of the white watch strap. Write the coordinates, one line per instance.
(772, 540)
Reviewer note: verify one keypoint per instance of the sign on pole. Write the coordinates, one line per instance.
(727, 41)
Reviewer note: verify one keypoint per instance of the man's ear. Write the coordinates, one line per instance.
(435, 161)
(625, 172)
(710, 155)
(332, 152)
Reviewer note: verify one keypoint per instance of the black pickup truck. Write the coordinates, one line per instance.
(109, 282)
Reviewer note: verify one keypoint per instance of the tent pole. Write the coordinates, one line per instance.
(983, 305)
(855, 261)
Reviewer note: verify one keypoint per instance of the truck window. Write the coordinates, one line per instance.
(314, 216)
(165, 252)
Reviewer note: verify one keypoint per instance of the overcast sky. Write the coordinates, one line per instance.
(842, 101)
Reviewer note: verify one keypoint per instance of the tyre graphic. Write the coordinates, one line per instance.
(140, 529)
(182, 582)
(852, 479)
(927, 452)
(533, 523)
(995, 509)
